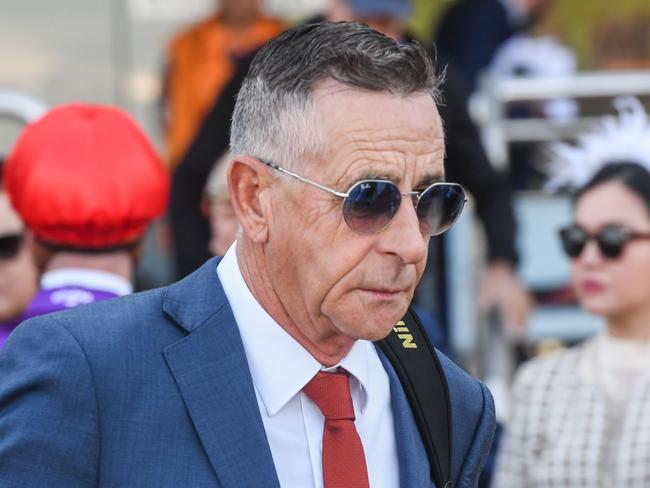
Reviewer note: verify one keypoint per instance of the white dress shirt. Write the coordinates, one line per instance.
(281, 367)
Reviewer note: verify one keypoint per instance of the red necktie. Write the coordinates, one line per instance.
(344, 464)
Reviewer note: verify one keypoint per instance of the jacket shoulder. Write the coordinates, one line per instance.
(473, 422)
(459, 381)
(106, 321)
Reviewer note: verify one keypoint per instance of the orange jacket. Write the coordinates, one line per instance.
(200, 63)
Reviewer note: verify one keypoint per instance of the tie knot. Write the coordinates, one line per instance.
(331, 393)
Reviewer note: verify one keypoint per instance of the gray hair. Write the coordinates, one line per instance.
(275, 118)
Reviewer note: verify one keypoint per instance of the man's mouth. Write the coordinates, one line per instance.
(383, 292)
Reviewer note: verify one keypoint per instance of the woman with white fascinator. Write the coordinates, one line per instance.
(581, 416)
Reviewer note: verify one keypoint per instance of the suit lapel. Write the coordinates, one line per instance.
(211, 371)
(414, 470)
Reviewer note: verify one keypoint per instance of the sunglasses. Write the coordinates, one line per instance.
(370, 205)
(10, 245)
(611, 239)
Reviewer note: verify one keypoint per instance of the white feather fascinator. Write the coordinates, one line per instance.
(625, 138)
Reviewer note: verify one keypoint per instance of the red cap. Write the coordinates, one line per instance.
(86, 176)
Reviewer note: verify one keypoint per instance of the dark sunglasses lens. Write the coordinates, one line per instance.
(10, 245)
(573, 239)
(611, 241)
(439, 207)
(371, 205)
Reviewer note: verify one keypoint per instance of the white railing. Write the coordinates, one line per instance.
(488, 106)
(18, 105)
(489, 109)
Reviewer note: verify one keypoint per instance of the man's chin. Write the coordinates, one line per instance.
(384, 323)
(369, 321)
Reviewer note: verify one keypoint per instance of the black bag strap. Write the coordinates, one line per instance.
(416, 363)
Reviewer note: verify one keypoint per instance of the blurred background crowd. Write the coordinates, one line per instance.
(531, 95)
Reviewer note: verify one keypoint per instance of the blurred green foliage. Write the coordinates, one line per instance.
(598, 30)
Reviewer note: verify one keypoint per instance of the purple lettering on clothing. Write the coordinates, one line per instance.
(53, 300)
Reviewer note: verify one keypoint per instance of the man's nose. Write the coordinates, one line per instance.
(403, 237)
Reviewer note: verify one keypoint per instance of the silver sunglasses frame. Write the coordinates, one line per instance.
(343, 195)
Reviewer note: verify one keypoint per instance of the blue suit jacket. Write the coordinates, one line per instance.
(153, 390)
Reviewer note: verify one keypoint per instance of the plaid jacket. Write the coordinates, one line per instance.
(563, 432)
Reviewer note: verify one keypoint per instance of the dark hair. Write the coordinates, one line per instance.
(273, 109)
(634, 176)
(350, 53)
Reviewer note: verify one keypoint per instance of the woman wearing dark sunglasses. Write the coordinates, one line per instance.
(581, 416)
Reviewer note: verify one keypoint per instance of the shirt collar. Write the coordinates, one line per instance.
(281, 371)
(87, 278)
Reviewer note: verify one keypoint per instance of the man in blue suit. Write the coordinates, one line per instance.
(259, 369)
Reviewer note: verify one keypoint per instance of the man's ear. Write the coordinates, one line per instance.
(247, 178)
